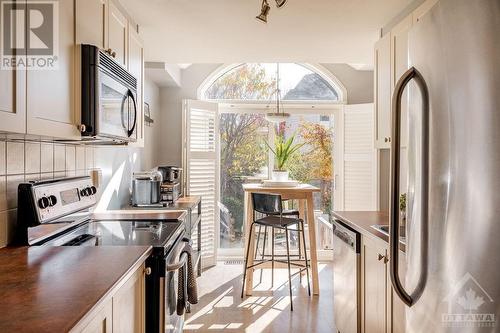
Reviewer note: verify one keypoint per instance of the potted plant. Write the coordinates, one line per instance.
(402, 207)
(283, 150)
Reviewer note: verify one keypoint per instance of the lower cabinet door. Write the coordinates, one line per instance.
(398, 308)
(101, 322)
(374, 284)
(129, 305)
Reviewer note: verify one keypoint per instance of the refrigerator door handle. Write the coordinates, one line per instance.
(411, 74)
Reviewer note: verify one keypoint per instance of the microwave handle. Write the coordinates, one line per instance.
(131, 96)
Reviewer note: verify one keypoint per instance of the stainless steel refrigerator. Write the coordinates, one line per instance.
(453, 251)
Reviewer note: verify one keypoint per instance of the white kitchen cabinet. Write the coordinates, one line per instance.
(382, 310)
(136, 68)
(101, 322)
(396, 308)
(117, 33)
(12, 100)
(129, 304)
(374, 286)
(422, 10)
(122, 310)
(50, 102)
(399, 65)
(91, 22)
(382, 72)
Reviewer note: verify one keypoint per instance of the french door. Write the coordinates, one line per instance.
(201, 165)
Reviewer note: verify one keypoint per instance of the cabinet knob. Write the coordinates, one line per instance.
(387, 139)
(380, 257)
(147, 271)
(113, 54)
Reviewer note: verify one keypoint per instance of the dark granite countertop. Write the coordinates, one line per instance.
(362, 221)
(50, 289)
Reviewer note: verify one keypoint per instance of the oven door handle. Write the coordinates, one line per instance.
(182, 261)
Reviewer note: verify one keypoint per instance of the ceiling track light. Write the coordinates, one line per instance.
(265, 9)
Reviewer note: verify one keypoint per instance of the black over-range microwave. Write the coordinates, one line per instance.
(109, 98)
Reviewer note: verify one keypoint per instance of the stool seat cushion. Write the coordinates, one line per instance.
(275, 221)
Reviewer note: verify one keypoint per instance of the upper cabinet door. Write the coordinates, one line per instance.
(12, 100)
(91, 21)
(13, 96)
(50, 92)
(399, 65)
(136, 68)
(422, 10)
(117, 34)
(382, 93)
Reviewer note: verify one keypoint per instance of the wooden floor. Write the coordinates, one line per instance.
(267, 310)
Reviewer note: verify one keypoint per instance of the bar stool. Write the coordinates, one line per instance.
(275, 217)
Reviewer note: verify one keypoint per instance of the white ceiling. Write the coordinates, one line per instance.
(226, 31)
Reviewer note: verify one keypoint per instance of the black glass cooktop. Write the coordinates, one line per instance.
(120, 233)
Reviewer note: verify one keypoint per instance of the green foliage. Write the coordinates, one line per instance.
(283, 150)
(235, 207)
(402, 202)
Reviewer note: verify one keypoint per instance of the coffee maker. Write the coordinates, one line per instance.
(171, 187)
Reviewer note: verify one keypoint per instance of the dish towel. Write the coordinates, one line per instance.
(188, 290)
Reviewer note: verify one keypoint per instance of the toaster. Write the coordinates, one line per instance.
(146, 188)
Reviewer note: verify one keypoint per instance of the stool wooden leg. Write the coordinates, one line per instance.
(289, 268)
(246, 259)
(272, 258)
(263, 250)
(305, 257)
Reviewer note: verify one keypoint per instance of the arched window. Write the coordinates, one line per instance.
(258, 82)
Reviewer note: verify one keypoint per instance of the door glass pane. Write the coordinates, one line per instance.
(243, 158)
(313, 164)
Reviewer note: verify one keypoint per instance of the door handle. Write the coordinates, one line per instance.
(411, 74)
(131, 96)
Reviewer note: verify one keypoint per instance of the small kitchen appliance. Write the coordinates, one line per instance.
(108, 98)
(171, 188)
(146, 187)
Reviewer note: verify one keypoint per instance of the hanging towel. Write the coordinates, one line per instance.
(188, 290)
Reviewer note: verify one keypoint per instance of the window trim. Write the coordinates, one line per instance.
(316, 68)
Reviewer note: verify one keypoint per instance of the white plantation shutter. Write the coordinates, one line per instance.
(359, 158)
(201, 165)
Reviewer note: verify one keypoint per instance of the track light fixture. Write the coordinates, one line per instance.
(265, 9)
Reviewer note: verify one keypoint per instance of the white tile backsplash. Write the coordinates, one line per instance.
(59, 158)
(15, 158)
(47, 157)
(32, 159)
(70, 158)
(12, 184)
(80, 158)
(3, 156)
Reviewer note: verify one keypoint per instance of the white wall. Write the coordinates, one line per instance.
(359, 85)
(170, 152)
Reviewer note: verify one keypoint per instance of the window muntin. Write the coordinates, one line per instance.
(257, 82)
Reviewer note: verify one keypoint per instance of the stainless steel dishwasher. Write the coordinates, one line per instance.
(346, 278)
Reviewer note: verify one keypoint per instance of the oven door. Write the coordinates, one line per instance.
(117, 117)
(171, 321)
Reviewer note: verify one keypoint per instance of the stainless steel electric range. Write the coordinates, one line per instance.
(58, 213)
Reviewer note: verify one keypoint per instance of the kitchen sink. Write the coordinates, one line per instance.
(384, 228)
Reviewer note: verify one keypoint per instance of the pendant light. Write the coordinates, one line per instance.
(280, 115)
(265, 9)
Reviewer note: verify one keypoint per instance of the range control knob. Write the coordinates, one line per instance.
(93, 190)
(43, 202)
(52, 200)
(88, 190)
(83, 192)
